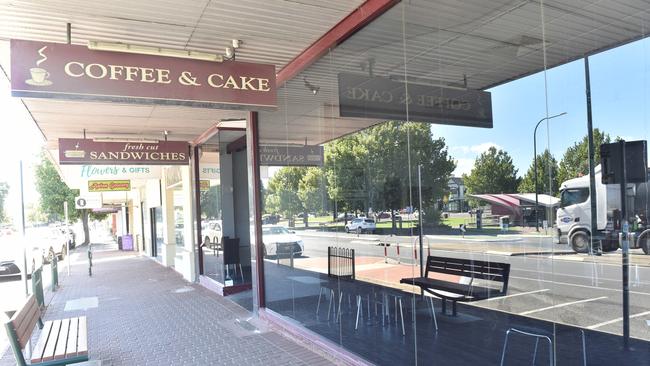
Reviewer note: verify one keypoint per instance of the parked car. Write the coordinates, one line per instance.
(270, 219)
(342, 216)
(51, 243)
(361, 225)
(278, 240)
(212, 232)
(69, 234)
(11, 257)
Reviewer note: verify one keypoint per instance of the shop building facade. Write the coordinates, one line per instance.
(262, 210)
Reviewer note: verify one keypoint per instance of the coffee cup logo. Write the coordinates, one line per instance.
(39, 75)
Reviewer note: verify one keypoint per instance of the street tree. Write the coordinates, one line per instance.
(53, 192)
(211, 202)
(393, 181)
(282, 193)
(575, 161)
(546, 164)
(493, 172)
(4, 191)
(312, 190)
(345, 171)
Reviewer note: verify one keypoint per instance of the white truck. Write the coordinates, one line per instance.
(574, 214)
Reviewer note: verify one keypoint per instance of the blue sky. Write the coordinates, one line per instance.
(620, 87)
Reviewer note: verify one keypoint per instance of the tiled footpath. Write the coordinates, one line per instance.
(140, 313)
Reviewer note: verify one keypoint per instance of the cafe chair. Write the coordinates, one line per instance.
(539, 334)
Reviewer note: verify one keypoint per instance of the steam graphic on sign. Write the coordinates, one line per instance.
(39, 75)
(76, 153)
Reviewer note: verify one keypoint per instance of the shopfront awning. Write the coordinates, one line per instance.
(474, 44)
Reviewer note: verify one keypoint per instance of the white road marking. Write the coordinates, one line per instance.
(555, 283)
(617, 320)
(562, 305)
(519, 294)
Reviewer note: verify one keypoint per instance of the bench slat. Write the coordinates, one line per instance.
(37, 353)
(59, 351)
(48, 354)
(25, 309)
(71, 349)
(82, 340)
(25, 323)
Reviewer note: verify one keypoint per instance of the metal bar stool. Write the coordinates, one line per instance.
(546, 336)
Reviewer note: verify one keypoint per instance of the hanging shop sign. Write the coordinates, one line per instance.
(383, 98)
(204, 185)
(85, 151)
(209, 171)
(55, 70)
(307, 155)
(109, 185)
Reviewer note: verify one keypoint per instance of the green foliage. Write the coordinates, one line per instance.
(312, 191)
(282, 193)
(345, 171)
(493, 172)
(211, 202)
(575, 162)
(4, 191)
(54, 192)
(377, 168)
(545, 161)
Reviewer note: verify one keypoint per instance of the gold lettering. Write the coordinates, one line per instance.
(69, 71)
(131, 72)
(231, 83)
(102, 68)
(263, 85)
(246, 83)
(115, 70)
(212, 84)
(146, 75)
(163, 76)
(93, 155)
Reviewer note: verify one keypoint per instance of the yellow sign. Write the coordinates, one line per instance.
(204, 184)
(109, 185)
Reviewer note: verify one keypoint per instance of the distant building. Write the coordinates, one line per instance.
(457, 201)
(521, 206)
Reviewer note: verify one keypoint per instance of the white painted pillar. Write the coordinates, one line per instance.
(188, 266)
(169, 236)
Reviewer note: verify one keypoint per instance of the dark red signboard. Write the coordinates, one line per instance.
(54, 70)
(84, 151)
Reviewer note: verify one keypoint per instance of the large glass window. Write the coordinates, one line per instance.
(433, 228)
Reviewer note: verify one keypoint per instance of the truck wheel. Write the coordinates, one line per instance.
(347, 230)
(580, 242)
(645, 245)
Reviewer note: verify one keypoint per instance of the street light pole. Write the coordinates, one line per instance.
(535, 166)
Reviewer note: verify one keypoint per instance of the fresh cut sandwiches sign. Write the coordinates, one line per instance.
(85, 151)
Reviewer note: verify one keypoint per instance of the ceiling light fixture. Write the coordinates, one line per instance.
(313, 88)
(155, 51)
(122, 139)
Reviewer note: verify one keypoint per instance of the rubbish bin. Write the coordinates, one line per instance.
(127, 242)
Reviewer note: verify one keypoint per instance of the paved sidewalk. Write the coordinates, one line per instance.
(140, 313)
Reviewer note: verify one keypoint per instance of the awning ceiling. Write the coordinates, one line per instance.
(273, 31)
(450, 43)
(447, 42)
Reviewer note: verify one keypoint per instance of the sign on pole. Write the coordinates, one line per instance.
(88, 201)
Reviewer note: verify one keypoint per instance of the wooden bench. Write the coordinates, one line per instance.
(492, 275)
(61, 342)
